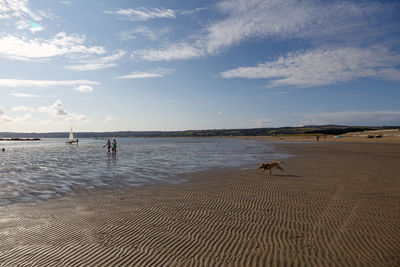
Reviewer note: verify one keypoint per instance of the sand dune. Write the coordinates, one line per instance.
(335, 205)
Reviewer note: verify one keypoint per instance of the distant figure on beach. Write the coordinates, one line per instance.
(108, 144)
(114, 147)
(3, 149)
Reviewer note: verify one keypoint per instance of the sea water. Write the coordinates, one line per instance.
(50, 168)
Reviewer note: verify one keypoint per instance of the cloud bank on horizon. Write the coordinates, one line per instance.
(117, 63)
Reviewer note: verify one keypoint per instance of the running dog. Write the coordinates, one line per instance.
(269, 166)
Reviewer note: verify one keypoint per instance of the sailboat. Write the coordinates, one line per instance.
(71, 138)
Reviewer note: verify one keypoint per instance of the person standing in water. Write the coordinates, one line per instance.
(108, 144)
(114, 147)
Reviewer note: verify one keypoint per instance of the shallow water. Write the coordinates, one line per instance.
(39, 170)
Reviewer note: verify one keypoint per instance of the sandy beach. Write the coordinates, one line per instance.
(370, 137)
(336, 204)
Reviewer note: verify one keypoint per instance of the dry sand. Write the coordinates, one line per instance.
(335, 204)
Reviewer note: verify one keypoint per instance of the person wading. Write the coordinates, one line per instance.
(114, 147)
(108, 144)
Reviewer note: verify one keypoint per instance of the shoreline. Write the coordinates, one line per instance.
(335, 204)
(326, 139)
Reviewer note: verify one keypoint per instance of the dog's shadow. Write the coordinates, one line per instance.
(286, 175)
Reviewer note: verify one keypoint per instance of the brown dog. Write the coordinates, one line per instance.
(269, 166)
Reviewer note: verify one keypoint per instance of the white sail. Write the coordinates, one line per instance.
(71, 135)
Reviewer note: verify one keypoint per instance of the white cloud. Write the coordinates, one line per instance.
(143, 13)
(16, 94)
(276, 19)
(44, 83)
(60, 45)
(355, 118)
(34, 27)
(140, 75)
(25, 117)
(109, 119)
(149, 74)
(84, 88)
(3, 115)
(324, 66)
(55, 115)
(65, 2)
(22, 109)
(98, 63)
(264, 122)
(57, 110)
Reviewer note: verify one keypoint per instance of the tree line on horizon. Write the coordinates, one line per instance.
(305, 130)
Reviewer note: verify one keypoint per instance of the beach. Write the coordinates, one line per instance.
(336, 204)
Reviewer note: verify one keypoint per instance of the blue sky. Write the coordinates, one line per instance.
(176, 65)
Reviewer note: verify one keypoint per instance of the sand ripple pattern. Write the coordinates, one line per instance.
(325, 210)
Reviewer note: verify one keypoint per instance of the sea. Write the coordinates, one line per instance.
(33, 171)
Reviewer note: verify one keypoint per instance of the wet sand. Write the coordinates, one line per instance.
(336, 204)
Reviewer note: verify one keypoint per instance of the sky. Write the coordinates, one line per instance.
(114, 65)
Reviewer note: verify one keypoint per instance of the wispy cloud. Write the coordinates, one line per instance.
(35, 49)
(324, 66)
(277, 19)
(31, 25)
(44, 83)
(98, 63)
(148, 74)
(287, 19)
(24, 17)
(34, 27)
(142, 30)
(355, 118)
(192, 11)
(16, 94)
(143, 13)
(17, 9)
(65, 2)
(173, 52)
(91, 66)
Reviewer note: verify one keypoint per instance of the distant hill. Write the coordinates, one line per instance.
(306, 130)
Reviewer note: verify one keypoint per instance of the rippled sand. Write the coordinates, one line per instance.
(335, 204)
